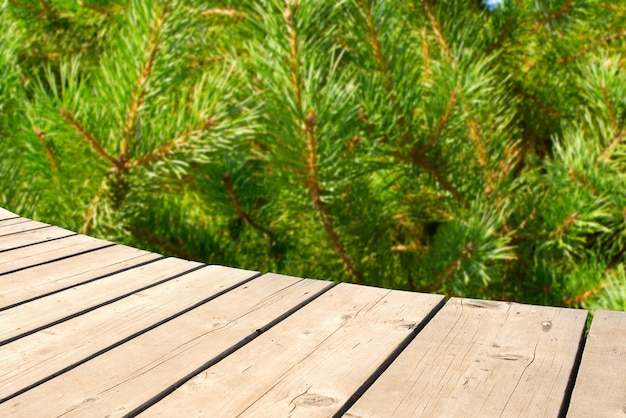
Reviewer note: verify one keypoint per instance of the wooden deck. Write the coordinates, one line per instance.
(90, 328)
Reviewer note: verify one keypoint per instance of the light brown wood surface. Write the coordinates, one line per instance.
(5, 214)
(11, 227)
(46, 252)
(37, 356)
(310, 364)
(600, 389)
(123, 378)
(49, 277)
(9, 242)
(46, 310)
(481, 359)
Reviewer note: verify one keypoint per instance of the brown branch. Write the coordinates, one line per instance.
(615, 142)
(290, 18)
(88, 137)
(174, 248)
(554, 16)
(422, 161)
(567, 224)
(91, 209)
(140, 90)
(539, 104)
(227, 182)
(609, 104)
(426, 51)
(372, 32)
(590, 44)
(223, 12)
(443, 121)
(170, 147)
(315, 191)
(438, 33)
(41, 136)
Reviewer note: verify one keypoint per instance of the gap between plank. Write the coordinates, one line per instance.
(226, 353)
(99, 305)
(132, 336)
(106, 245)
(28, 230)
(392, 357)
(569, 389)
(81, 283)
(71, 234)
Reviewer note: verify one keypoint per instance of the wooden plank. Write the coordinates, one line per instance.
(123, 378)
(5, 214)
(600, 389)
(34, 255)
(68, 343)
(41, 312)
(22, 239)
(40, 280)
(314, 361)
(483, 359)
(13, 228)
(13, 221)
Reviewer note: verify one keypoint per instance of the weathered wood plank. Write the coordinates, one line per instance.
(13, 241)
(314, 361)
(5, 214)
(15, 228)
(38, 313)
(600, 389)
(123, 378)
(40, 280)
(483, 359)
(33, 255)
(68, 343)
(12, 221)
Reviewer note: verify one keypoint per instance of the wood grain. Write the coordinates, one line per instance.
(13, 228)
(310, 364)
(46, 252)
(9, 242)
(600, 389)
(46, 310)
(5, 214)
(483, 359)
(36, 357)
(40, 280)
(123, 378)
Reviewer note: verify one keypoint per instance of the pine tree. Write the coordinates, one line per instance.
(438, 146)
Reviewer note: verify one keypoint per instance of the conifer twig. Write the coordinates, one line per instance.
(379, 57)
(227, 182)
(88, 137)
(91, 209)
(140, 88)
(41, 136)
(223, 12)
(438, 33)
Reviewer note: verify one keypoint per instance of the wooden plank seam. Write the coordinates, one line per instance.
(104, 276)
(130, 337)
(392, 357)
(39, 242)
(105, 245)
(167, 391)
(99, 305)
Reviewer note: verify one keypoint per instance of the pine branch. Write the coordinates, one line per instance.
(606, 154)
(41, 136)
(140, 89)
(554, 16)
(372, 31)
(591, 44)
(312, 183)
(223, 12)
(173, 247)
(89, 138)
(609, 105)
(89, 219)
(315, 191)
(170, 147)
(438, 33)
(443, 121)
(227, 182)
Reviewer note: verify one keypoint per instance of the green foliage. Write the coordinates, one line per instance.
(432, 146)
